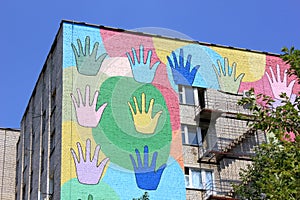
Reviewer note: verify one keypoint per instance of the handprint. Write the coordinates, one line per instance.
(143, 121)
(142, 72)
(86, 113)
(281, 102)
(88, 171)
(87, 64)
(183, 75)
(279, 86)
(227, 80)
(146, 177)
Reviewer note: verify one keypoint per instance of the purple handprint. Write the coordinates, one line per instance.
(146, 177)
(183, 75)
(88, 171)
(86, 113)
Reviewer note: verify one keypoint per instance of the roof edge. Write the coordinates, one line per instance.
(167, 37)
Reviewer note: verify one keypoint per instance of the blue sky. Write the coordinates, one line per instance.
(28, 29)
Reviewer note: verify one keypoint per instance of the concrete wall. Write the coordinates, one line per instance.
(38, 164)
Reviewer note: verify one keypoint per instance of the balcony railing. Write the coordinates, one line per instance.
(211, 100)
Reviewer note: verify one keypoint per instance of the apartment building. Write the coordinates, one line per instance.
(118, 113)
(8, 145)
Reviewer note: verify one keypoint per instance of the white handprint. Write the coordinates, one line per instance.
(278, 86)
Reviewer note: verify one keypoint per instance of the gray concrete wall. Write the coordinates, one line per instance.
(39, 147)
(226, 134)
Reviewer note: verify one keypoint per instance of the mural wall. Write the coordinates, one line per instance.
(121, 126)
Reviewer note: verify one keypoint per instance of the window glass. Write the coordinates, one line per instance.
(192, 135)
(183, 135)
(51, 185)
(187, 181)
(201, 97)
(189, 96)
(180, 92)
(196, 178)
(208, 180)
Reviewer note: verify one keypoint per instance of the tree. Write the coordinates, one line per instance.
(292, 57)
(275, 170)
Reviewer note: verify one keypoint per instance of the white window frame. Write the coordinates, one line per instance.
(181, 92)
(185, 133)
(189, 177)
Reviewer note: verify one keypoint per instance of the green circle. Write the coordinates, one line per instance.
(116, 131)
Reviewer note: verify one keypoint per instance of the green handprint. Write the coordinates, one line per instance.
(227, 80)
(87, 64)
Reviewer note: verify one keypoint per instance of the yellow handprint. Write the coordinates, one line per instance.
(143, 121)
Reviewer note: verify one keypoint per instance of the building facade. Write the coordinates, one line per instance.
(118, 113)
(8, 145)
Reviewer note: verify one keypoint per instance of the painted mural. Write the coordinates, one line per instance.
(121, 126)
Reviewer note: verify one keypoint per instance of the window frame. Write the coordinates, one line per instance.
(203, 173)
(182, 95)
(185, 132)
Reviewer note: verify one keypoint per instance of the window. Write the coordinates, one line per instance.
(31, 180)
(32, 141)
(44, 121)
(51, 184)
(191, 135)
(24, 192)
(201, 97)
(52, 141)
(198, 178)
(186, 95)
(42, 160)
(53, 97)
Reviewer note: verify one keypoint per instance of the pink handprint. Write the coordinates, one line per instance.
(279, 86)
(86, 113)
(88, 171)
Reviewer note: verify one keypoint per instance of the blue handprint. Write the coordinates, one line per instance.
(182, 74)
(142, 72)
(146, 177)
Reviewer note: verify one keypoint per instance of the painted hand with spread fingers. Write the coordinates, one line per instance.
(227, 79)
(87, 63)
(88, 171)
(146, 176)
(87, 114)
(143, 121)
(280, 86)
(142, 71)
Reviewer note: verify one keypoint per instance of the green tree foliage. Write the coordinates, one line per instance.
(275, 171)
(292, 57)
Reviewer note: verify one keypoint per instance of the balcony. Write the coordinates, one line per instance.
(214, 102)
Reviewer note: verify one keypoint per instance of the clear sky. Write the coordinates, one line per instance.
(28, 29)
